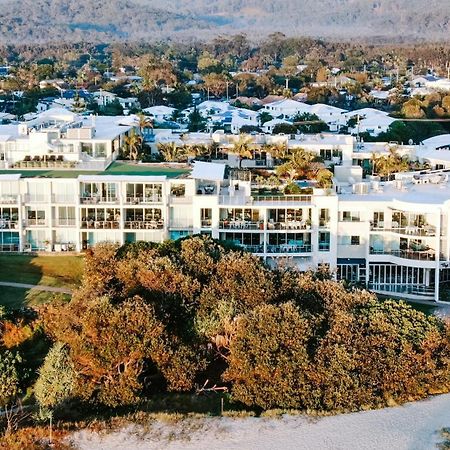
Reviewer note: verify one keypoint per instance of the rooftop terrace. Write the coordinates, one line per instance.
(116, 168)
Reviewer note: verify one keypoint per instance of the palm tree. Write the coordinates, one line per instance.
(133, 145)
(279, 152)
(242, 148)
(171, 151)
(144, 122)
(386, 165)
(301, 164)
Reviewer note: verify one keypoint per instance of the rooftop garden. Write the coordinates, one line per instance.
(116, 168)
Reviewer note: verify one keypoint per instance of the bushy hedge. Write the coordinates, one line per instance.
(156, 318)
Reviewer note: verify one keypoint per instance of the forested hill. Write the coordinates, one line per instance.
(88, 20)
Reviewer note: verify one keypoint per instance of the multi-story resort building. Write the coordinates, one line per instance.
(391, 236)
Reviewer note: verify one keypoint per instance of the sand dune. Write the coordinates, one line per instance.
(414, 426)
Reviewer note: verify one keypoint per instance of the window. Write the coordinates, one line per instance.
(86, 147)
(324, 217)
(326, 154)
(324, 241)
(349, 240)
(378, 219)
(178, 190)
(350, 216)
(206, 217)
(100, 150)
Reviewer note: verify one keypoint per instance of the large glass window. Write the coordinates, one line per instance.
(206, 217)
(100, 150)
(86, 147)
(324, 241)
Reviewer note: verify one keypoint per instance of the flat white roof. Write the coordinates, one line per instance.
(10, 177)
(208, 171)
(422, 194)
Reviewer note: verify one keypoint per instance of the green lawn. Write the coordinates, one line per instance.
(55, 270)
(14, 298)
(116, 168)
(124, 168)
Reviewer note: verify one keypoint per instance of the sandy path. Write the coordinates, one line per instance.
(414, 426)
(36, 287)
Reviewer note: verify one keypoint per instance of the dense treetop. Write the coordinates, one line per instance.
(85, 20)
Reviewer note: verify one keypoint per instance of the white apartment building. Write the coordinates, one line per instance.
(60, 138)
(392, 237)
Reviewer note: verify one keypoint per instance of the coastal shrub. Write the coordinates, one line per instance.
(57, 377)
(10, 378)
(158, 318)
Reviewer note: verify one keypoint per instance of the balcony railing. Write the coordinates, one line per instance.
(414, 289)
(290, 225)
(144, 225)
(177, 200)
(41, 198)
(35, 223)
(143, 200)
(425, 255)
(97, 200)
(241, 225)
(324, 246)
(100, 224)
(324, 223)
(64, 223)
(9, 199)
(406, 230)
(63, 199)
(253, 248)
(281, 199)
(287, 248)
(180, 224)
(207, 223)
(9, 247)
(8, 224)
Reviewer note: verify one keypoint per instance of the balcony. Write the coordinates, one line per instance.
(100, 224)
(180, 199)
(144, 225)
(324, 223)
(9, 199)
(415, 289)
(427, 230)
(422, 255)
(253, 248)
(35, 223)
(143, 200)
(324, 246)
(8, 224)
(206, 223)
(9, 247)
(290, 225)
(64, 223)
(281, 199)
(98, 200)
(40, 198)
(63, 199)
(288, 248)
(241, 225)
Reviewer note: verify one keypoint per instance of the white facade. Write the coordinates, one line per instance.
(64, 139)
(392, 236)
